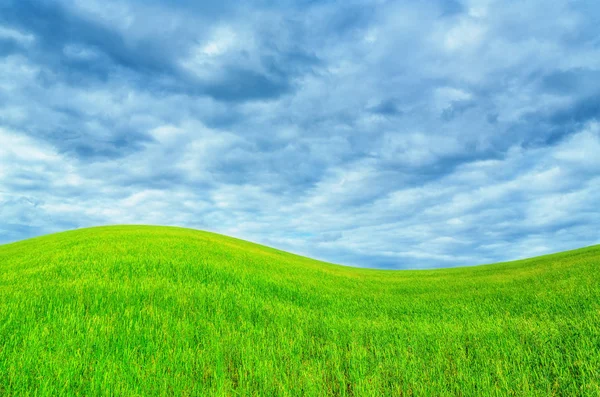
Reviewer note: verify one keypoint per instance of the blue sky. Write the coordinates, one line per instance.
(390, 134)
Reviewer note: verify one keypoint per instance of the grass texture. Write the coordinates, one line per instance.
(141, 310)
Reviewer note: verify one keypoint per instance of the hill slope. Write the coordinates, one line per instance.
(134, 310)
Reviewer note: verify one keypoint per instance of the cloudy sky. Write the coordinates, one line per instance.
(390, 134)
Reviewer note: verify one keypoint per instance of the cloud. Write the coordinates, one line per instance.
(378, 134)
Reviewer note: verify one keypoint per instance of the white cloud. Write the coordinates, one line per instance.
(465, 35)
(403, 136)
(14, 34)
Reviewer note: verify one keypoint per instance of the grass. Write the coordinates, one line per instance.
(139, 310)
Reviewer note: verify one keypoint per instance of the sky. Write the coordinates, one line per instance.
(372, 133)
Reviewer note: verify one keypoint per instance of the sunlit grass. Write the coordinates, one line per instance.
(134, 310)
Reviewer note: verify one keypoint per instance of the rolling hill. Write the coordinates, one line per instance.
(142, 310)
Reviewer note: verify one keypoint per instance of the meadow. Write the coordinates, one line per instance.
(141, 311)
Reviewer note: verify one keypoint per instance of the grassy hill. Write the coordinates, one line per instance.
(135, 310)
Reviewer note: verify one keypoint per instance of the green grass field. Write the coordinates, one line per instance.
(135, 310)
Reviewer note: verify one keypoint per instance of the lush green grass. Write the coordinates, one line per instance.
(134, 310)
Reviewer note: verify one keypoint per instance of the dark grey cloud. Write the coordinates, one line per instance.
(242, 85)
(572, 81)
(451, 7)
(58, 32)
(582, 111)
(387, 107)
(379, 134)
(81, 50)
